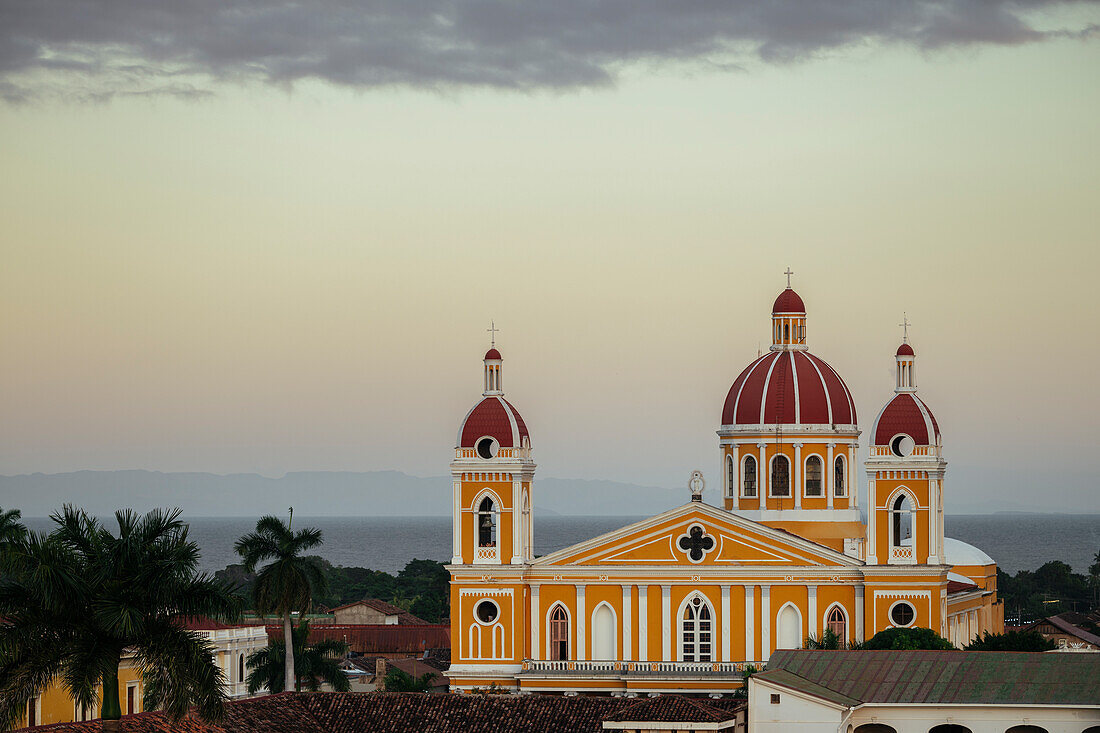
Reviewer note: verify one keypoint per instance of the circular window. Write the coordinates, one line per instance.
(902, 446)
(486, 447)
(902, 614)
(487, 612)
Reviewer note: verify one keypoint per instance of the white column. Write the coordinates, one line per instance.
(872, 512)
(643, 623)
(536, 623)
(456, 526)
(517, 523)
(725, 624)
(933, 522)
(735, 490)
(765, 622)
(859, 612)
(851, 476)
(666, 623)
(582, 636)
(761, 473)
(750, 623)
(830, 477)
(797, 476)
(627, 652)
(812, 625)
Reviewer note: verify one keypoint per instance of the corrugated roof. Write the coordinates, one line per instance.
(948, 676)
(1065, 626)
(379, 638)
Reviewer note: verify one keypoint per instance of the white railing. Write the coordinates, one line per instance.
(627, 667)
(483, 555)
(902, 556)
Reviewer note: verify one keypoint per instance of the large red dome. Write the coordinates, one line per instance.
(906, 414)
(789, 388)
(493, 417)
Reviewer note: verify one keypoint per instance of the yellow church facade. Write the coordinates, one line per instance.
(685, 600)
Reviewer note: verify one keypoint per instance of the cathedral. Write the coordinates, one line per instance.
(685, 600)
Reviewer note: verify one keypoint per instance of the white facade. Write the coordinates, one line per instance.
(232, 647)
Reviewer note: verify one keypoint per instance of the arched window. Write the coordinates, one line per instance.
(813, 476)
(901, 520)
(486, 523)
(240, 668)
(731, 476)
(789, 628)
(837, 623)
(786, 335)
(603, 633)
(839, 488)
(696, 625)
(559, 633)
(949, 728)
(748, 477)
(876, 728)
(781, 476)
(1027, 729)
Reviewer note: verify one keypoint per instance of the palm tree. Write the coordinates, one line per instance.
(77, 598)
(288, 583)
(11, 533)
(314, 664)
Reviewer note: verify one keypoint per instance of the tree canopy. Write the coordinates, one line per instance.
(907, 638)
(1012, 641)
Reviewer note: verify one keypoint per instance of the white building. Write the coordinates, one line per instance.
(232, 645)
(926, 692)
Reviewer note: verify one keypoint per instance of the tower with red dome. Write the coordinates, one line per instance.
(789, 436)
(905, 471)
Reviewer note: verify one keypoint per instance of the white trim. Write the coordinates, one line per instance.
(805, 477)
(679, 621)
(797, 402)
(801, 626)
(582, 634)
(824, 388)
(495, 619)
(764, 393)
(847, 480)
(569, 630)
(614, 631)
(847, 620)
(890, 614)
(790, 480)
(726, 623)
(728, 464)
(749, 370)
(511, 419)
(742, 473)
(687, 534)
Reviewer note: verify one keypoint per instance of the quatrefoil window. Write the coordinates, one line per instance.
(696, 543)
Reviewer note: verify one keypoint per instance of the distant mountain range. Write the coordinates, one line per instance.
(338, 493)
(311, 493)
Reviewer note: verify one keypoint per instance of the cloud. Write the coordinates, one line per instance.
(94, 49)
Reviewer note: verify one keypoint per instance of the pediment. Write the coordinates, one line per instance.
(722, 539)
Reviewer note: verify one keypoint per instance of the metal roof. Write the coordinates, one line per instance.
(955, 677)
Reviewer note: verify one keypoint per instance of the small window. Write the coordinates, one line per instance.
(240, 668)
(486, 448)
(813, 476)
(775, 699)
(838, 624)
(748, 479)
(838, 477)
(902, 446)
(786, 333)
(487, 612)
(781, 476)
(902, 614)
(731, 478)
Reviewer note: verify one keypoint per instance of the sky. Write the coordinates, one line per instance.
(270, 238)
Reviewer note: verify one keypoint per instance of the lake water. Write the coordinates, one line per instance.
(1015, 541)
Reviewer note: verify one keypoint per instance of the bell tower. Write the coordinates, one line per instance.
(493, 478)
(905, 472)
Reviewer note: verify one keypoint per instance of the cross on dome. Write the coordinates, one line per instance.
(492, 330)
(788, 273)
(905, 324)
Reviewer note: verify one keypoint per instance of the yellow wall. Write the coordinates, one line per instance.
(57, 706)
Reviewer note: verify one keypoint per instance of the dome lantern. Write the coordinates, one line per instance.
(788, 320)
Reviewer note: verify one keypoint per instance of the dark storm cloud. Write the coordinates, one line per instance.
(97, 48)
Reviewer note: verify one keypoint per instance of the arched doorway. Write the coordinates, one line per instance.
(1026, 729)
(559, 633)
(788, 628)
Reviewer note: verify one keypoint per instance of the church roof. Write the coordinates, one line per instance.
(788, 302)
(789, 387)
(495, 417)
(906, 413)
(957, 552)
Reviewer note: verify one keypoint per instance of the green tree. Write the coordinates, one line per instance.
(288, 583)
(911, 638)
(830, 640)
(1012, 641)
(742, 692)
(12, 533)
(314, 664)
(76, 598)
(398, 681)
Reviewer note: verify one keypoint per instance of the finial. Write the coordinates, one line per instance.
(492, 329)
(788, 273)
(905, 324)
